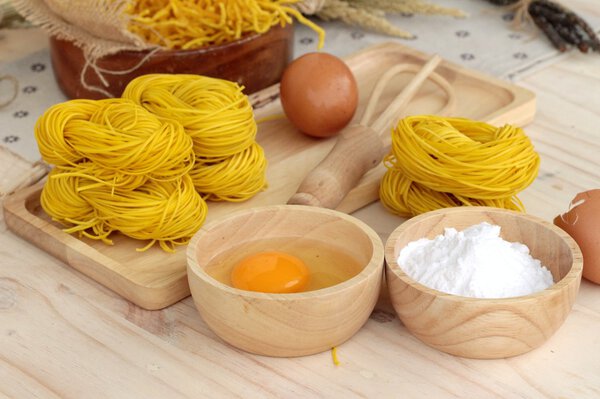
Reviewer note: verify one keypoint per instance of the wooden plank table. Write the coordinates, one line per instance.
(64, 336)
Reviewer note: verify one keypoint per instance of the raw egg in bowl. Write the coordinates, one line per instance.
(285, 280)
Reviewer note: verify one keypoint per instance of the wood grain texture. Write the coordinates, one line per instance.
(63, 335)
(18, 173)
(359, 148)
(151, 282)
(286, 325)
(155, 279)
(486, 328)
(256, 61)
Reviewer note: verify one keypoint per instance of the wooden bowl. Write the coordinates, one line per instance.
(485, 328)
(255, 61)
(294, 324)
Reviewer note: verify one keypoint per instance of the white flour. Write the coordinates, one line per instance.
(474, 262)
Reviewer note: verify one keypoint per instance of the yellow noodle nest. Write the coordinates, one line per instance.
(168, 212)
(191, 24)
(144, 164)
(215, 113)
(118, 137)
(440, 162)
(233, 179)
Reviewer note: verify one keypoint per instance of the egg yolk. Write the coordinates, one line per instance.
(272, 272)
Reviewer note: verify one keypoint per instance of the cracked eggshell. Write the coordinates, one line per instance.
(582, 222)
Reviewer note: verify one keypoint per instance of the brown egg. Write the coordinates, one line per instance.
(319, 94)
(582, 222)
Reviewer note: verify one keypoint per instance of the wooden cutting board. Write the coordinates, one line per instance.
(155, 279)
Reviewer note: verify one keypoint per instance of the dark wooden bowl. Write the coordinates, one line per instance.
(256, 61)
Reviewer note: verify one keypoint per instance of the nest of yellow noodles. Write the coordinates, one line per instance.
(102, 27)
(145, 164)
(437, 162)
(191, 24)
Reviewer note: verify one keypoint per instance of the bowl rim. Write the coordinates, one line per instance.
(573, 274)
(375, 264)
(155, 50)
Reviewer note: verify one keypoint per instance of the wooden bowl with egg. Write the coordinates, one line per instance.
(485, 328)
(345, 260)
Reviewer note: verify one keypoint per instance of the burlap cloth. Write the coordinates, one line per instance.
(99, 27)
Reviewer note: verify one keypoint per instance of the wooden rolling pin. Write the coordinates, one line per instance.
(359, 148)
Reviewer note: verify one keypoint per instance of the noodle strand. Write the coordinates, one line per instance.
(145, 164)
(192, 24)
(438, 162)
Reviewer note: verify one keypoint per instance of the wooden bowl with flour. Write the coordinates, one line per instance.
(485, 328)
(286, 324)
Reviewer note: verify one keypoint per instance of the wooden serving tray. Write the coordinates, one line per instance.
(155, 279)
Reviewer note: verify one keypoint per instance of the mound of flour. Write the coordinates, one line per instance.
(474, 262)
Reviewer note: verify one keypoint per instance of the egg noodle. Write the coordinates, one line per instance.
(60, 198)
(145, 165)
(119, 137)
(438, 162)
(215, 113)
(233, 179)
(191, 24)
(169, 212)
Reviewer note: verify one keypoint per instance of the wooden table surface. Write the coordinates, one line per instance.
(64, 336)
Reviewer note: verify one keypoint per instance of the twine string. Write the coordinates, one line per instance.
(13, 90)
